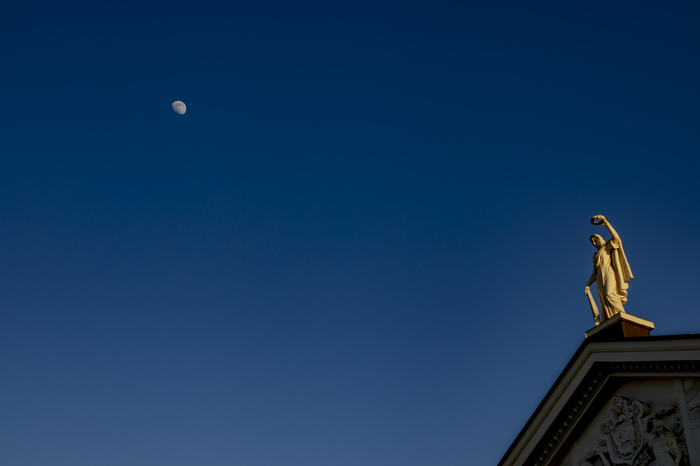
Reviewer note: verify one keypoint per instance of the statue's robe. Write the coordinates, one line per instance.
(612, 274)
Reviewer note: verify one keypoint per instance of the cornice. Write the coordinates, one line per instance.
(585, 375)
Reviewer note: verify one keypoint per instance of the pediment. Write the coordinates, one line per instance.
(644, 422)
(608, 403)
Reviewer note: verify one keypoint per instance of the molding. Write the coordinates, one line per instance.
(588, 375)
(597, 382)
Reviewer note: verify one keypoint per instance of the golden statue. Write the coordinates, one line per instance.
(611, 273)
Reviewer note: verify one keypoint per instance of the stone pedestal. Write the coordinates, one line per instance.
(619, 327)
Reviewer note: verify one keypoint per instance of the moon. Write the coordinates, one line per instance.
(179, 107)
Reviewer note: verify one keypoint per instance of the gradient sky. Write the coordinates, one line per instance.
(365, 243)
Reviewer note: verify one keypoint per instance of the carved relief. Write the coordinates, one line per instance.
(623, 431)
(637, 435)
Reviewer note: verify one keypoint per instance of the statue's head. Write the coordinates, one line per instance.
(597, 241)
(660, 429)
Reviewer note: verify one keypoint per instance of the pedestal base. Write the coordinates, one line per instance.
(619, 327)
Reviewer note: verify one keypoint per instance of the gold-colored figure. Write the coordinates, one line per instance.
(611, 273)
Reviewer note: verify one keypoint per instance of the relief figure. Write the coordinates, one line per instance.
(663, 444)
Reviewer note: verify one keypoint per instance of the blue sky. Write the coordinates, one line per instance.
(366, 241)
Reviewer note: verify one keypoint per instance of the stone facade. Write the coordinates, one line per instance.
(631, 402)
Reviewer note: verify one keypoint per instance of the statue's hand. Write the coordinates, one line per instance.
(600, 218)
(588, 288)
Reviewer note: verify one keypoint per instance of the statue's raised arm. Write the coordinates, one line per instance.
(601, 220)
(611, 272)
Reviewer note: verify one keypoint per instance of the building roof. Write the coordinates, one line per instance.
(594, 371)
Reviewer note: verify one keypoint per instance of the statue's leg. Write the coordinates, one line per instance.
(605, 312)
(612, 298)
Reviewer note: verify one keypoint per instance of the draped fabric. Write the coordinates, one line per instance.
(612, 274)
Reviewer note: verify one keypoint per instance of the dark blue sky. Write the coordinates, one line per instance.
(365, 243)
